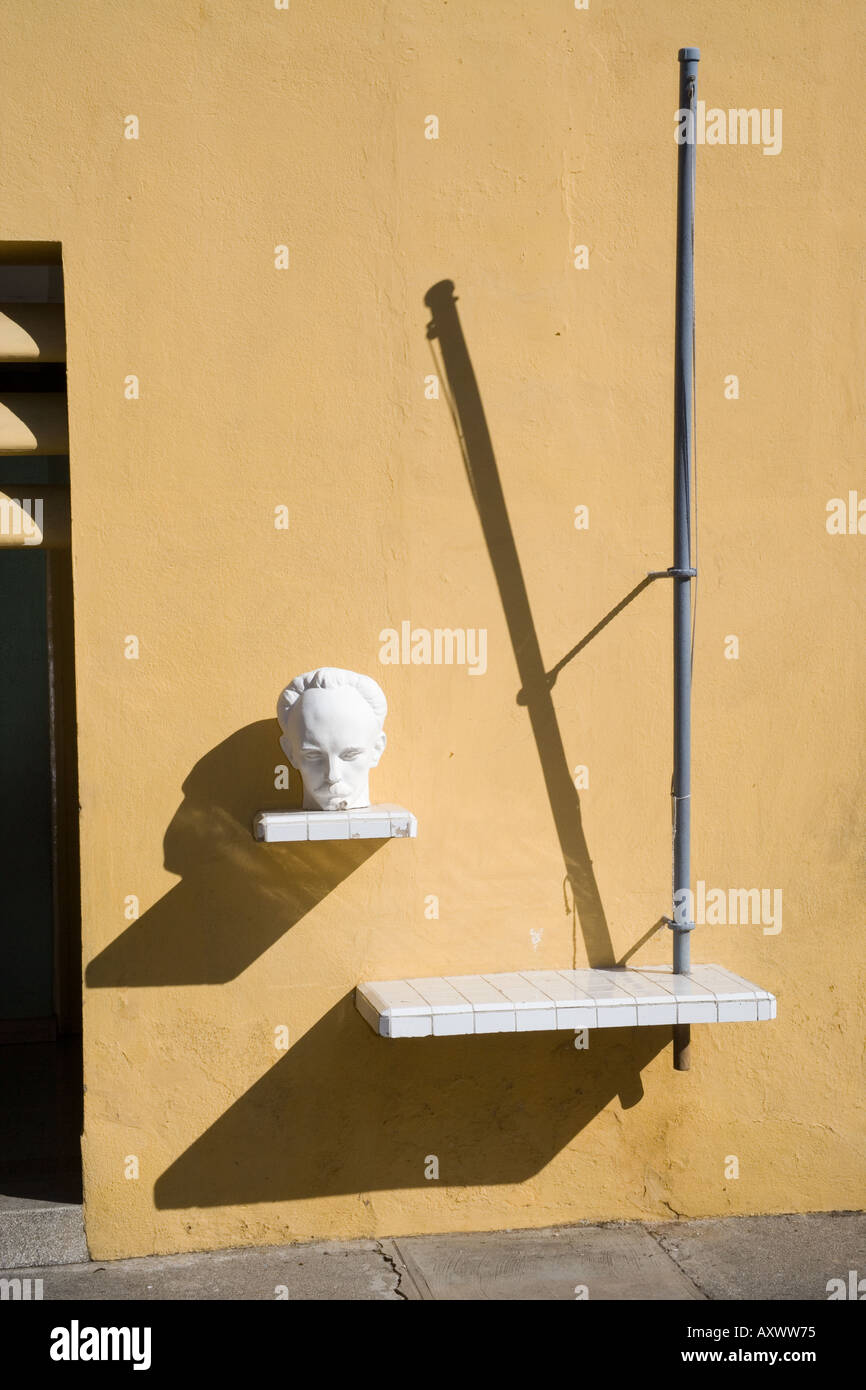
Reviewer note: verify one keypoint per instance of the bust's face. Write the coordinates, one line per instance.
(333, 739)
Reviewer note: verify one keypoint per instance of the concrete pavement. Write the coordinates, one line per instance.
(749, 1258)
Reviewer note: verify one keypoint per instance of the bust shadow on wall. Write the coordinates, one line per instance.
(236, 897)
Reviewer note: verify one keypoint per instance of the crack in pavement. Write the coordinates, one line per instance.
(658, 1237)
(391, 1262)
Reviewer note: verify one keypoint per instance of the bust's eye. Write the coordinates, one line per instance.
(349, 754)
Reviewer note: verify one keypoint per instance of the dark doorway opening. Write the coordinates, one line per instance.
(41, 1085)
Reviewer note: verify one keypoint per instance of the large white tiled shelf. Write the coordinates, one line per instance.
(383, 822)
(538, 1000)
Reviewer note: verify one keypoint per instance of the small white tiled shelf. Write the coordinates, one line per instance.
(382, 822)
(538, 1000)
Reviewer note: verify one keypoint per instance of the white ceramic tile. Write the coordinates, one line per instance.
(738, 984)
(518, 988)
(447, 1025)
(655, 1000)
(273, 826)
(574, 1016)
(616, 1015)
(737, 1010)
(368, 1011)
(723, 985)
(639, 986)
(441, 995)
(402, 1011)
(657, 1015)
(532, 1020)
(726, 983)
(596, 984)
(478, 991)
(574, 1008)
(403, 828)
(399, 1009)
(615, 1007)
(403, 823)
(554, 984)
(658, 979)
(683, 986)
(328, 825)
(534, 1009)
(697, 1010)
(695, 1004)
(493, 1012)
(406, 1027)
(396, 997)
(369, 827)
(495, 1021)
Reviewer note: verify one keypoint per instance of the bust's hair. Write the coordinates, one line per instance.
(331, 678)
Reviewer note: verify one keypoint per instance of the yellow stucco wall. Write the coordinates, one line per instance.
(304, 387)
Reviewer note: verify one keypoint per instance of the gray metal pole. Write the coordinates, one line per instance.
(683, 373)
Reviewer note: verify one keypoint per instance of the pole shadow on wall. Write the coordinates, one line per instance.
(536, 683)
(236, 897)
(345, 1112)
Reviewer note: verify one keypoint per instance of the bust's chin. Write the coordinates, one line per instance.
(326, 802)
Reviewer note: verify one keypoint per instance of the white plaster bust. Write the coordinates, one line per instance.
(332, 734)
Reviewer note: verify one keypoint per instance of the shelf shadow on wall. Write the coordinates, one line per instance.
(236, 897)
(346, 1112)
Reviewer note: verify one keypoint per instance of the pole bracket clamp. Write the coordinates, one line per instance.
(673, 573)
(678, 926)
